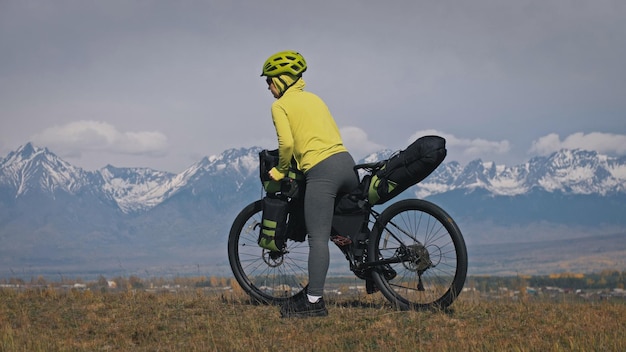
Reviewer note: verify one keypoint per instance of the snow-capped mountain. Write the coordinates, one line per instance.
(140, 189)
(134, 189)
(566, 171)
(30, 168)
(51, 211)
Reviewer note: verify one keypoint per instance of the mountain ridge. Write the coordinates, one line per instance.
(53, 214)
(136, 189)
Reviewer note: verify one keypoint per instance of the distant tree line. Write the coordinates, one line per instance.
(606, 279)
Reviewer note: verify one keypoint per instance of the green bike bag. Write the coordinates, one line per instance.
(273, 232)
(406, 168)
(289, 185)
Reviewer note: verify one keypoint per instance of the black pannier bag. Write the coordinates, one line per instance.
(283, 211)
(406, 168)
(273, 232)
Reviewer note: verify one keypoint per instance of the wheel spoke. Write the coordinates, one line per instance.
(434, 258)
(267, 277)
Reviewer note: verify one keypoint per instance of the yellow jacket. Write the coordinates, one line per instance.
(305, 129)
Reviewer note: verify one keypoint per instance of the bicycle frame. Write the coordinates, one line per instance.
(412, 252)
(344, 244)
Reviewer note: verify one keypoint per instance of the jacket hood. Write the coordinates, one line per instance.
(287, 81)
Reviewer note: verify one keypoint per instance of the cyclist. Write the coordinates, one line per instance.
(307, 131)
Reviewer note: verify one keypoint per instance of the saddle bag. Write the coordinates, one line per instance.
(406, 168)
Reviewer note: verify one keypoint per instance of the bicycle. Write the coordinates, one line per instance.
(412, 251)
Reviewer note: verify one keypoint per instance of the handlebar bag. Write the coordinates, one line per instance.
(406, 168)
(289, 185)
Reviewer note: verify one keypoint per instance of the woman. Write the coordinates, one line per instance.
(307, 131)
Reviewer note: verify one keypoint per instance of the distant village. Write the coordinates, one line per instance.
(601, 286)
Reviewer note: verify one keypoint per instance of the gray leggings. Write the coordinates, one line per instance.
(324, 181)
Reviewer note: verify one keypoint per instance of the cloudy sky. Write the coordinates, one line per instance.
(162, 84)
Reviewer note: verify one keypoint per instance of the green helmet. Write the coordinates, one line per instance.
(290, 62)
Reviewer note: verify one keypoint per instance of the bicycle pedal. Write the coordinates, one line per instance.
(340, 240)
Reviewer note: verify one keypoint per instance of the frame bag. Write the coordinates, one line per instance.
(406, 168)
(350, 220)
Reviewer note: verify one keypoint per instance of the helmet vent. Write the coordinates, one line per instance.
(290, 62)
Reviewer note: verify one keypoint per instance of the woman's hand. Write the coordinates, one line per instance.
(275, 174)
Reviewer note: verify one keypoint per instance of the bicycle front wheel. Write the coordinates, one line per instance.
(425, 254)
(268, 277)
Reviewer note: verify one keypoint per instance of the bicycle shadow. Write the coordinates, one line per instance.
(343, 303)
(357, 302)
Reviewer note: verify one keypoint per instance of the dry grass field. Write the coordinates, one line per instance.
(87, 320)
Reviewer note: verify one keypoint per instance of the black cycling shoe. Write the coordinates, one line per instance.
(300, 307)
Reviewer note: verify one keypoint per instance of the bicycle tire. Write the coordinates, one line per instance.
(434, 268)
(268, 277)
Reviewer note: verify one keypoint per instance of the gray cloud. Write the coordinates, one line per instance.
(500, 74)
(605, 143)
(80, 136)
(466, 149)
(358, 142)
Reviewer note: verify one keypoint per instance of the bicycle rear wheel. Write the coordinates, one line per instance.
(268, 277)
(426, 254)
